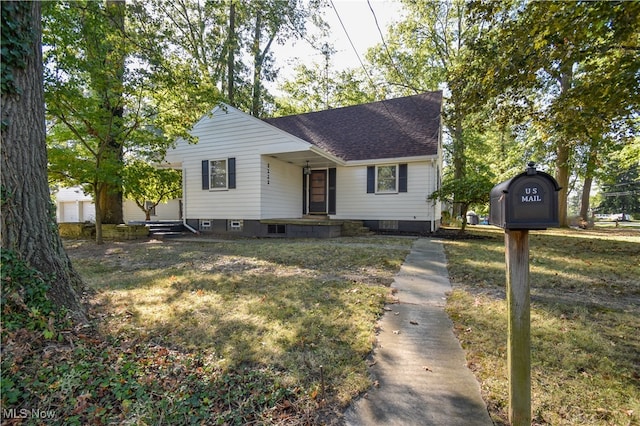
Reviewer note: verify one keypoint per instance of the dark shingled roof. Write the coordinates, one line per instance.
(401, 127)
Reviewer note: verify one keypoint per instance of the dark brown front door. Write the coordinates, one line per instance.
(318, 191)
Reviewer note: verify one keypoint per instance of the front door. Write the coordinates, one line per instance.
(318, 192)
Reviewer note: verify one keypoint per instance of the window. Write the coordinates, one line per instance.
(276, 229)
(218, 174)
(150, 207)
(386, 179)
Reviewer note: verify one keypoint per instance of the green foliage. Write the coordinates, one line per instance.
(313, 89)
(93, 383)
(620, 190)
(106, 101)
(199, 59)
(469, 190)
(24, 297)
(565, 73)
(145, 183)
(29, 319)
(17, 38)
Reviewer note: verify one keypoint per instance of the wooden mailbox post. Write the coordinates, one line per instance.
(528, 201)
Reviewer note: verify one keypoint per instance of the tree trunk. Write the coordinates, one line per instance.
(98, 192)
(562, 176)
(588, 180)
(563, 152)
(257, 66)
(28, 219)
(584, 200)
(458, 155)
(231, 45)
(110, 202)
(111, 196)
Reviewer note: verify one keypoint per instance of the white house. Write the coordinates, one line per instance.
(376, 163)
(73, 206)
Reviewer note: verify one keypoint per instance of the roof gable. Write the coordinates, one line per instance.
(401, 127)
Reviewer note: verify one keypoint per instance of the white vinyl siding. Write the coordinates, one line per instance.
(164, 211)
(268, 187)
(353, 201)
(245, 138)
(281, 189)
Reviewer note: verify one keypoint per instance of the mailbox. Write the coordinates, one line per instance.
(526, 201)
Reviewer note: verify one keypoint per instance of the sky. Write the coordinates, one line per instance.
(360, 25)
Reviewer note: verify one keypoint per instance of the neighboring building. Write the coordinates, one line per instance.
(73, 206)
(377, 163)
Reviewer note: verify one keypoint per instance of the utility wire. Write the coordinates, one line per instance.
(352, 45)
(391, 115)
(386, 48)
(407, 84)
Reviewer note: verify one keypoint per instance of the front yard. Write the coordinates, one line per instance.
(279, 331)
(220, 332)
(585, 318)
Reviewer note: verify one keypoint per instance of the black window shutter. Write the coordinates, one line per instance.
(231, 170)
(332, 190)
(304, 193)
(205, 174)
(371, 179)
(402, 178)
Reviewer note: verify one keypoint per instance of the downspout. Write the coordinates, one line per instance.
(184, 203)
(186, 225)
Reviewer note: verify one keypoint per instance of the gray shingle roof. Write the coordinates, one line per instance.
(401, 127)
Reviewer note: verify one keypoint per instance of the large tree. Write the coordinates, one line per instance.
(107, 98)
(85, 91)
(427, 50)
(571, 68)
(28, 222)
(221, 49)
(313, 88)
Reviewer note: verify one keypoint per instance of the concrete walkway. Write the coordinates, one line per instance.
(420, 368)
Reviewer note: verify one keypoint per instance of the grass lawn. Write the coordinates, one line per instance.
(585, 322)
(279, 331)
(209, 332)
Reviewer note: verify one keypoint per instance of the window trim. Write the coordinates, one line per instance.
(396, 178)
(226, 175)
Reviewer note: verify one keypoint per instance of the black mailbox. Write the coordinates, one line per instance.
(526, 201)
